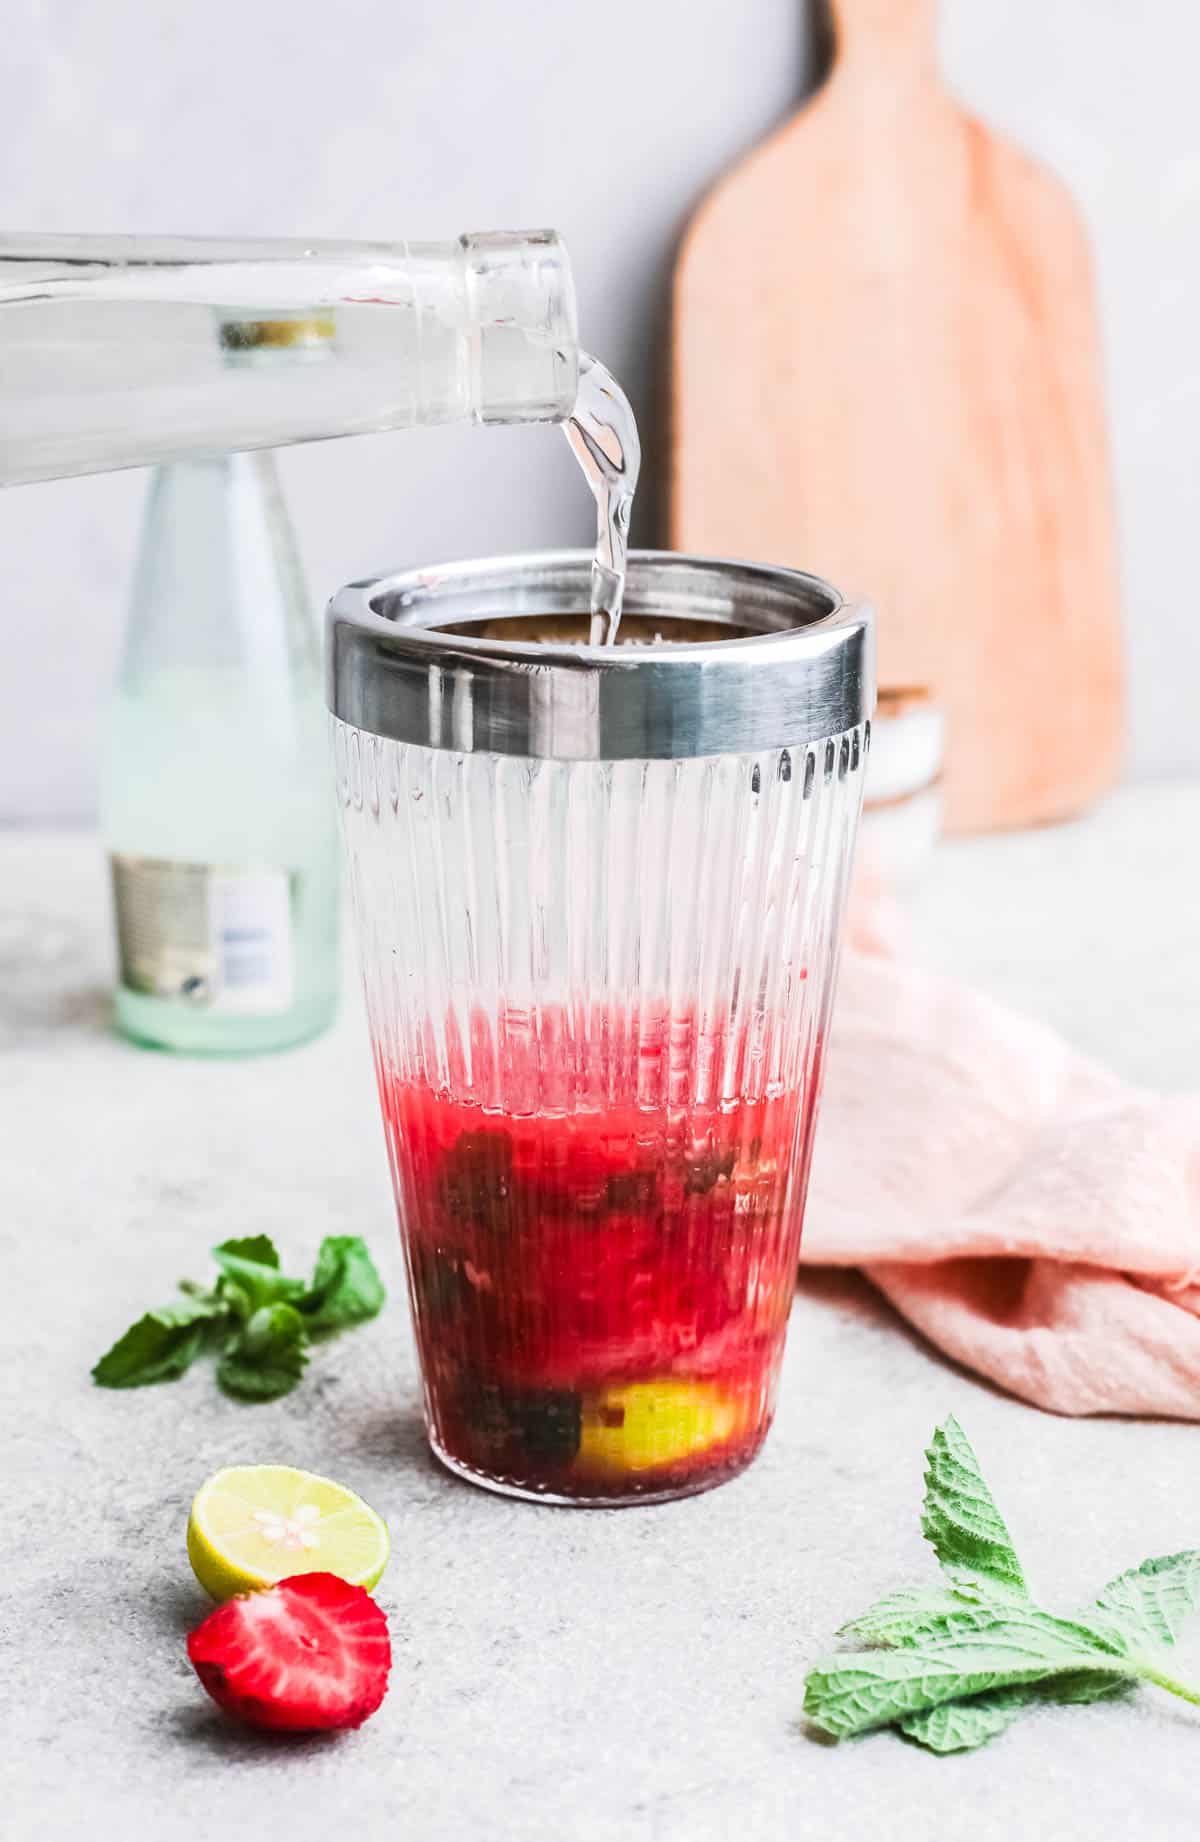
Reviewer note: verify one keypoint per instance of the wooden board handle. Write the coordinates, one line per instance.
(885, 31)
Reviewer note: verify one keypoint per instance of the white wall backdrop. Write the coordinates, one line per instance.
(425, 117)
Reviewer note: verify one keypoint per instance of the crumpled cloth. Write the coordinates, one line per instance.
(1032, 1214)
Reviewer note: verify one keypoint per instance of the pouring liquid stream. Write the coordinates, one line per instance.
(604, 439)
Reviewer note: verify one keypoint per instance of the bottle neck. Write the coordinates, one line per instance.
(218, 587)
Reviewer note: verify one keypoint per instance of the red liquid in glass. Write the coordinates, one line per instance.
(601, 1266)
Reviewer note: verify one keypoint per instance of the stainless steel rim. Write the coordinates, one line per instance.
(799, 664)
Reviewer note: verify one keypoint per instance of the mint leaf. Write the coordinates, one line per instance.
(973, 1651)
(1151, 1601)
(259, 1278)
(959, 1726)
(912, 1617)
(1018, 1619)
(267, 1357)
(345, 1289)
(904, 1617)
(259, 1248)
(161, 1346)
(959, 1519)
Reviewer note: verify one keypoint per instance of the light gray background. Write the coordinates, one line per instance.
(426, 117)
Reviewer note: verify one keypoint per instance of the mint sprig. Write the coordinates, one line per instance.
(953, 1665)
(260, 1321)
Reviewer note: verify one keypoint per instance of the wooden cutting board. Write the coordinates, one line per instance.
(886, 369)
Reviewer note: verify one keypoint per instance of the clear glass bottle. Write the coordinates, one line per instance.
(215, 805)
(107, 357)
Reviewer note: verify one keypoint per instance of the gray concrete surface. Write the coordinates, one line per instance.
(630, 1676)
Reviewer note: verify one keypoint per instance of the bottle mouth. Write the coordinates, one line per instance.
(490, 656)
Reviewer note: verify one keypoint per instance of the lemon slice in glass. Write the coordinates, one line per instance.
(645, 1426)
(252, 1525)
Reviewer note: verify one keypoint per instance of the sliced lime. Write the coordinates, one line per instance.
(252, 1525)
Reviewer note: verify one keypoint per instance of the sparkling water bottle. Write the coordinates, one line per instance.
(216, 808)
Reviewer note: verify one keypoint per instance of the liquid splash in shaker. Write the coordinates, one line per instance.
(604, 438)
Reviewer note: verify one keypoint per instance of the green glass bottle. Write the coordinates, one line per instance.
(216, 805)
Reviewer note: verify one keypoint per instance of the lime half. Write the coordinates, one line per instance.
(252, 1525)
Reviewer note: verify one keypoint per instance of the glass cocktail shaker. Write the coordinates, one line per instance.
(599, 893)
(108, 356)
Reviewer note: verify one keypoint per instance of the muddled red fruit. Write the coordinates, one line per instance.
(306, 1656)
(597, 1219)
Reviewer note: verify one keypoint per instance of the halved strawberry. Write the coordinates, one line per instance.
(309, 1654)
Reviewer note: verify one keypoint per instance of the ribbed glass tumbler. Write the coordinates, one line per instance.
(599, 894)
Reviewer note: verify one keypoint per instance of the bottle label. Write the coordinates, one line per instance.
(213, 937)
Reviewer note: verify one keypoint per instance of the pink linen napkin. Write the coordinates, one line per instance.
(1033, 1215)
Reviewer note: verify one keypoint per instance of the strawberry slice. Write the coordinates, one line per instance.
(309, 1654)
